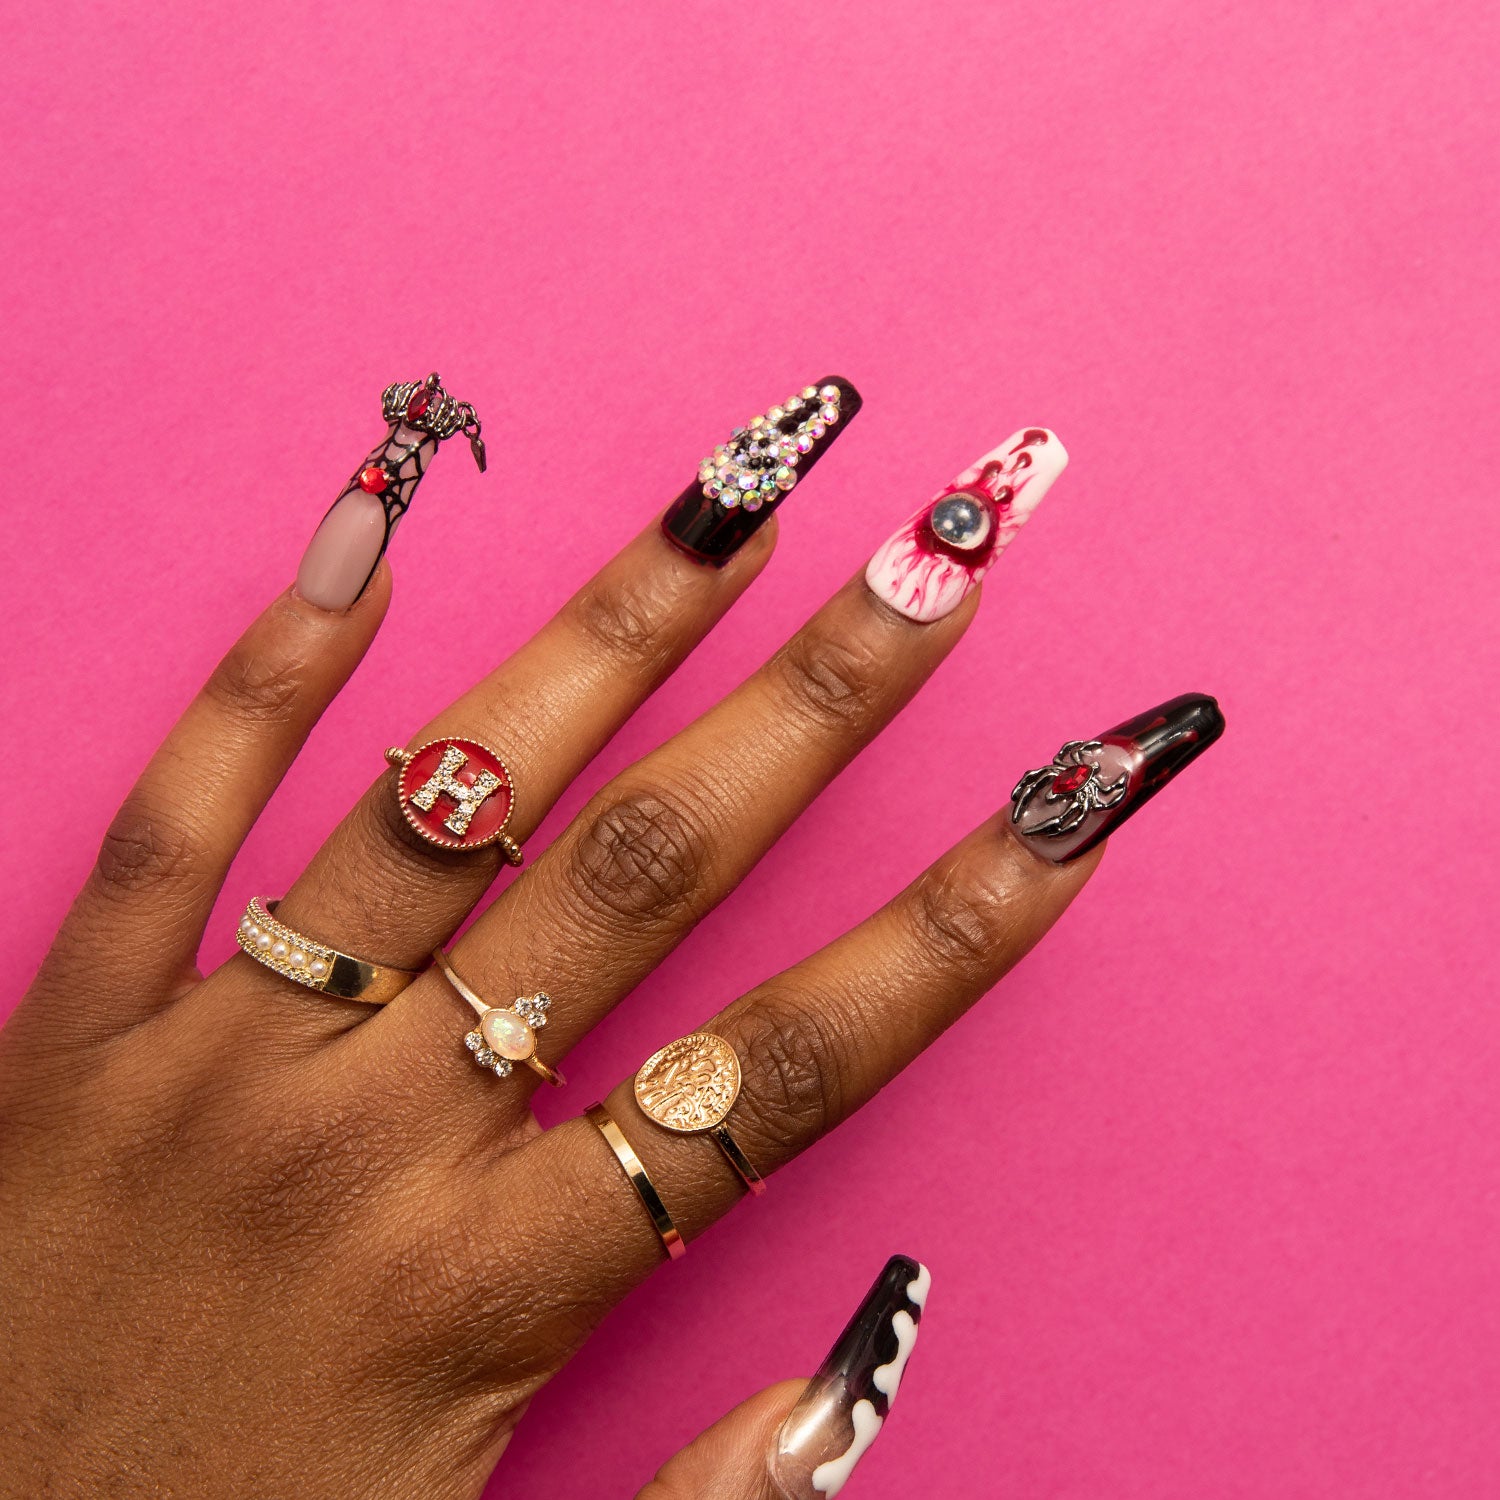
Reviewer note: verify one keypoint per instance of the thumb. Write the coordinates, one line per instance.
(800, 1442)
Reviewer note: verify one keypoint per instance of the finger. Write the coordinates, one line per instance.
(380, 891)
(659, 847)
(140, 918)
(818, 1041)
(801, 1441)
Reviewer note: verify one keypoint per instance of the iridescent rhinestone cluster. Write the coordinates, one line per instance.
(759, 462)
(532, 1010)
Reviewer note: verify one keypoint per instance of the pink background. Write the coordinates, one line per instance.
(1210, 1186)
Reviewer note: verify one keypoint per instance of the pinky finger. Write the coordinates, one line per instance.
(131, 941)
(801, 1440)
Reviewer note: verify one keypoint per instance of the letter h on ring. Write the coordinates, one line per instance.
(466, 799)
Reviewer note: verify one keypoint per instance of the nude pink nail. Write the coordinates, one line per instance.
(352, 538)
(929, 567)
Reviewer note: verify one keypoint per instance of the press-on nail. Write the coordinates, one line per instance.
(847, 1402)
(1092, 786)
(744, 480)
(929, 567)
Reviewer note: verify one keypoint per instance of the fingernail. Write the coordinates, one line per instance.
(846, 1403)
(742, 483)
(352, 537)
(1092, 786)
(929, 567)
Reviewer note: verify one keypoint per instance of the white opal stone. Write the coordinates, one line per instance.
(508, 1034)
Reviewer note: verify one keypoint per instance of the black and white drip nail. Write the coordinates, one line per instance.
(847, 1402)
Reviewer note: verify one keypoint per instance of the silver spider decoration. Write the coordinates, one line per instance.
(1080, 796)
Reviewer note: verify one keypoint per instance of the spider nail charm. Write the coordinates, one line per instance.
(353, 536)
(929, 567)
(747, 476)
(1091, 786)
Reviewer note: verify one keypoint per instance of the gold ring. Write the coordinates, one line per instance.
(315, 965)
(690, 1086)
(505, 1035)
(457, 794)
(671, 1237)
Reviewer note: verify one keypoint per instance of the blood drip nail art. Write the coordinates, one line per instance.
(358, 527)
(1091, 786)
(847, 1402)
(929, 567)
(744, 480)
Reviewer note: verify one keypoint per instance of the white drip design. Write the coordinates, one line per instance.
(830, 1477)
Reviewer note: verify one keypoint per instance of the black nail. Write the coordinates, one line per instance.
(1092, 786)
(717, 514)
(846, 1403)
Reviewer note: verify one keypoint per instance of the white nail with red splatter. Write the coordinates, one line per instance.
(929, 567)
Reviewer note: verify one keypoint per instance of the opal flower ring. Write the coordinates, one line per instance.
(506, 1034)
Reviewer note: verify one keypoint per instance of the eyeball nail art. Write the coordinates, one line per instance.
(1090, 787)
(929, 567)
(848, 1401)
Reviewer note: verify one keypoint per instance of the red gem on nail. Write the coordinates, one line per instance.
(1068, 782)
(421, 399)
(373, 480)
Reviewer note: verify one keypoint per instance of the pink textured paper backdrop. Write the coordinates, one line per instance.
(1209, 1185)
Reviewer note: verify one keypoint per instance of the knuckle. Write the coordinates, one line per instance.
(144, 847)
(258, 687)
(627, 618)
(833, 680)
(961, 918)
(796, 1057)
(644, 855)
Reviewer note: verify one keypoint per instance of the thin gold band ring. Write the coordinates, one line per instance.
(667, 1231)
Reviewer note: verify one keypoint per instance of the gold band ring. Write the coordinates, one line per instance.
(315, 965)
(506, 1034)
(671, 1238)
(689, 1087)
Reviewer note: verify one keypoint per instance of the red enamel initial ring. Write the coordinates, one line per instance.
(457, 794)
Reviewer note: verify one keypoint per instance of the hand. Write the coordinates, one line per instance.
(263, 1241)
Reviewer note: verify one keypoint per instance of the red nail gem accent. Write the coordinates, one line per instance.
(373, 480)
(421, 399)
(456, 793)
(1068, 782)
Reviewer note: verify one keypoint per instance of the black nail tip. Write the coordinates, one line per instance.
(711, 533)
(868, 1340)
(1172, 735)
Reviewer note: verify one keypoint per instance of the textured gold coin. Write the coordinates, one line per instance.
(691, 1084)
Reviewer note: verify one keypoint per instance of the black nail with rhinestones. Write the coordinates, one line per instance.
(846, 1403)
(743, 482)
(1091, 787)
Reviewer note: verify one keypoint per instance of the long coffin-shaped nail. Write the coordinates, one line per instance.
(846, 1403)
(352, 537)
(742, 482)
(1092, 786)
(936, 560)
